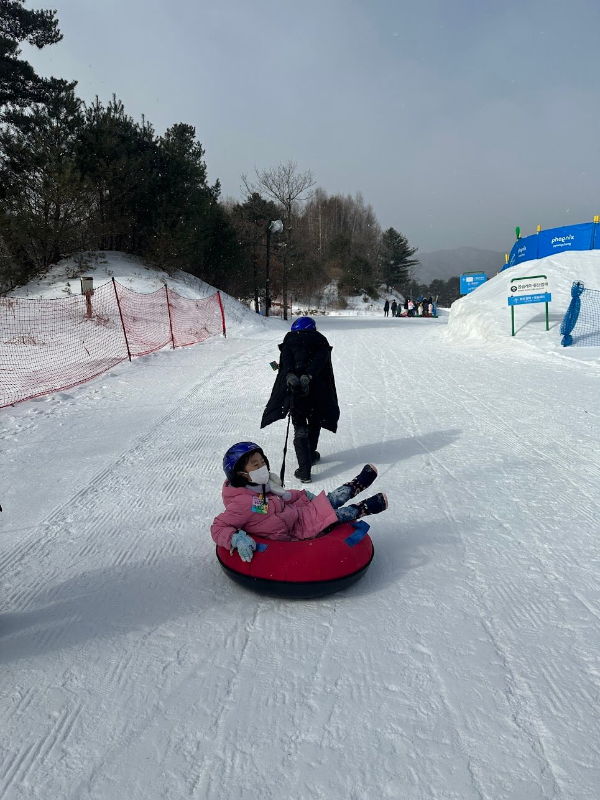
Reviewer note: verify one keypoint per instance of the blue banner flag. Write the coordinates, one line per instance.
(570, 237)
(523, 250)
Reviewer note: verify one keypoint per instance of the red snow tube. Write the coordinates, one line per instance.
(310, 568)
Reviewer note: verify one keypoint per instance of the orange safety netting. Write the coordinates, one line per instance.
(195, 320)
(145, 319)
(49, 345)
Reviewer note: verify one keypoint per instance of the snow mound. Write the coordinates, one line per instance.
(62, 280)
(484, 314)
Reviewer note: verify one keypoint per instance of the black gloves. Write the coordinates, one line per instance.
(294, 383)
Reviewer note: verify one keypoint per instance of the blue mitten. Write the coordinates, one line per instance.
(245, 545)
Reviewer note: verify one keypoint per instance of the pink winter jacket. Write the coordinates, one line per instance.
(298, 518)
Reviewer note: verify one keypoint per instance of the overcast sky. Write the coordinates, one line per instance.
(456, 119)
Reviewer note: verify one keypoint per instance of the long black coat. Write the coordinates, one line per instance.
(305, 353)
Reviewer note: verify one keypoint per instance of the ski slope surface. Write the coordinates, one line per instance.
(463, 666)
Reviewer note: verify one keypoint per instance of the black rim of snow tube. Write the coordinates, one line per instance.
(296, 590)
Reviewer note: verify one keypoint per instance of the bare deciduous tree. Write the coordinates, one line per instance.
(287, 186)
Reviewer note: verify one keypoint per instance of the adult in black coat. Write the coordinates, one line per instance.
(306, 386)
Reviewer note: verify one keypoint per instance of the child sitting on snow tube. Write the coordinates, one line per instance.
(255, 502)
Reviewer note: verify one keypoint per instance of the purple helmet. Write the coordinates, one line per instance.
(235, 452)
(304, 324)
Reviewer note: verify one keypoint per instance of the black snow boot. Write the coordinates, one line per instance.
(302, 447)
(363, 480)
(313, 440)
(372, 505)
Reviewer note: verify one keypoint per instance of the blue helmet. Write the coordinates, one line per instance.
(235, 452)
(304, 324)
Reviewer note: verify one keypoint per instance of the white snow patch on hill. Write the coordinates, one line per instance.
(484, 315)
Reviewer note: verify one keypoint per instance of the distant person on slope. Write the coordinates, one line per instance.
(393, 307)
(305, 387)
(386, 307)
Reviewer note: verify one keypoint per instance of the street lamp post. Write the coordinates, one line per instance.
(276, 226)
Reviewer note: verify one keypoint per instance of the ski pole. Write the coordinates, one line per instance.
(289, 416)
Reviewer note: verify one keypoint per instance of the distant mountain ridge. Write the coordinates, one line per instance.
(445, 264)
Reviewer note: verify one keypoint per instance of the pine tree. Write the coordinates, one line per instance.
(19, 84)
(45, 202)
(119, 158)
(221, 262)
(396, 258)
(359, 277)
(182, 199)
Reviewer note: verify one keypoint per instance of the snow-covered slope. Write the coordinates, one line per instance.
(463, 666)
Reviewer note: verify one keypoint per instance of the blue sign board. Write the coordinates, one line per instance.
(528, 289)
(522, 299)
(471, 280)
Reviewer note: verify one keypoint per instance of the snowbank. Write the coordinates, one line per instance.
(484, 315)
(62, 280)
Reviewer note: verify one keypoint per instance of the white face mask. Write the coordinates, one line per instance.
(259, 475)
